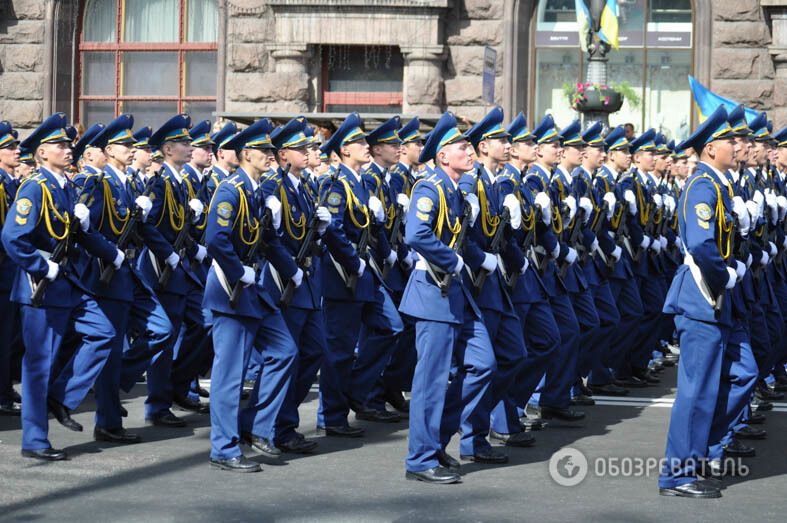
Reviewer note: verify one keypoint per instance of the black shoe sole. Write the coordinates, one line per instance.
(739, 435)
(219, 466)
(485, 461)
(414, 477)
(339, 434)
(674, 493)
(25, 454)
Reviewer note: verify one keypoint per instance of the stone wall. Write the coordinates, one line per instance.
(22, 24)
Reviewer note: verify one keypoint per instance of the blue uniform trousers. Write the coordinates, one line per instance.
(341, 376)
(554, 390)
(9, 336)
(738, 377)
(703, 346)
(542, 338)
(194, 344)
(143, 317)
(597, 354)
(234, 338)
(652, 294)
(307, 328)
(508, 345)
(43, 330)
(452, 382)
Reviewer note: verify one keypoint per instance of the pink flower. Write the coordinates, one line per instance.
(606, 100)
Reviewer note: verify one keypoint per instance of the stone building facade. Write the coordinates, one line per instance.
(270, 53)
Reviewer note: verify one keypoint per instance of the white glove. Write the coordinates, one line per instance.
(611, 202)
(670, 204)
(749, 260)
(525, 265)
(679, 243)
(655, 246)
(770, 200)
(663, 242)
(248, 276)
(490, 262)
(571, 203)
(514, 210)
(758, 197)
(118, 261)
(172, 260)
(273, 203)
(587, 206)
(297, 278)
(631, 200)
(742, 213)
(781, 201)
(196, 207)
(773, 250)
(460, 263)
(542, 200)
(571, 257)
(740, 269)
(645, 242)
(555, 252)
(658, 200)
(376, 206)
(52, 270)
(765, 259)
(82, 213)
(201, 253)
(475, 207)
(403, 201)
(784, 243)
(324, 217)
(408, 259)
(733, 278)
(391, 259)
(145, 205)
(361, 267)
(617, 252)
(754, 210)
(594, 246)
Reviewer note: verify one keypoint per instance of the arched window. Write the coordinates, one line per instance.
(151, 58)
(654, 58)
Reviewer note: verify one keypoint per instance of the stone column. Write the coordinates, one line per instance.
(777, 16)
(423, 79)
(292, 75)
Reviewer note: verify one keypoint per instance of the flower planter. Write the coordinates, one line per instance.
(601, 101)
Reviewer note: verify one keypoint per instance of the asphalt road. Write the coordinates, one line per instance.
(167, 477)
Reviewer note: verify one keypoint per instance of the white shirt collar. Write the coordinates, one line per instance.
(118, 173)
(222, 171)
(612, 170)
(563, 170)
(722, 177)
(61, 180)
(514, 168)
(176, 172)
(254, 184)
(357, 176)
(296, 181)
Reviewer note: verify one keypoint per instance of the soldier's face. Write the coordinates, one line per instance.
(55, 155)
(548, 153)
(457, 156)
(781, 157)
(744, 149)
(314, 156)
(759, 153)
(660, 163)
(177, 152)
(95, 157)
(121, 153)
(143, 157)
(723, 153)
(595, 156)
(23, 170)
(412, 151)
(681, 168)
(645, 160)
(9, 156)
(297, 157)
(573, 155)
(525, 152)
(357, 151)
(621, 159)
(386, 154)
(200, 157)
(229, 157)
(498, 149)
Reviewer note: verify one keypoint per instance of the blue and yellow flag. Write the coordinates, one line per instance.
(707, 101)
(609, 24)
(583, 23)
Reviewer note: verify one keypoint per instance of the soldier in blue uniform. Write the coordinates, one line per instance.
(40, 218)
(9, 311)
(128, 302)
(384, 145)
(701, 300)
(490, 140)
(352, 288)
(225, 161)
(552, 398)
(87, 158)
(254, 322)
(303, 315)
(451, 339)
(171, 216)
(141, 160)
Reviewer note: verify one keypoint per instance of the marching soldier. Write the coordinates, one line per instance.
(245, 316)
(9, 311)
(225, 161)
(43, 220)
(87, 158)
(449, 326)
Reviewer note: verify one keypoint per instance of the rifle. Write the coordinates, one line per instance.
(527, 243)
(127, 236)
(60, 253)
(251, 256)
(363, 244)
(467, 214)
(307, 247)
(396, 233)
(494, 248)
(182, 241)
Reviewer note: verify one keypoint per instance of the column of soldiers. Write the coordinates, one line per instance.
(503, 275)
